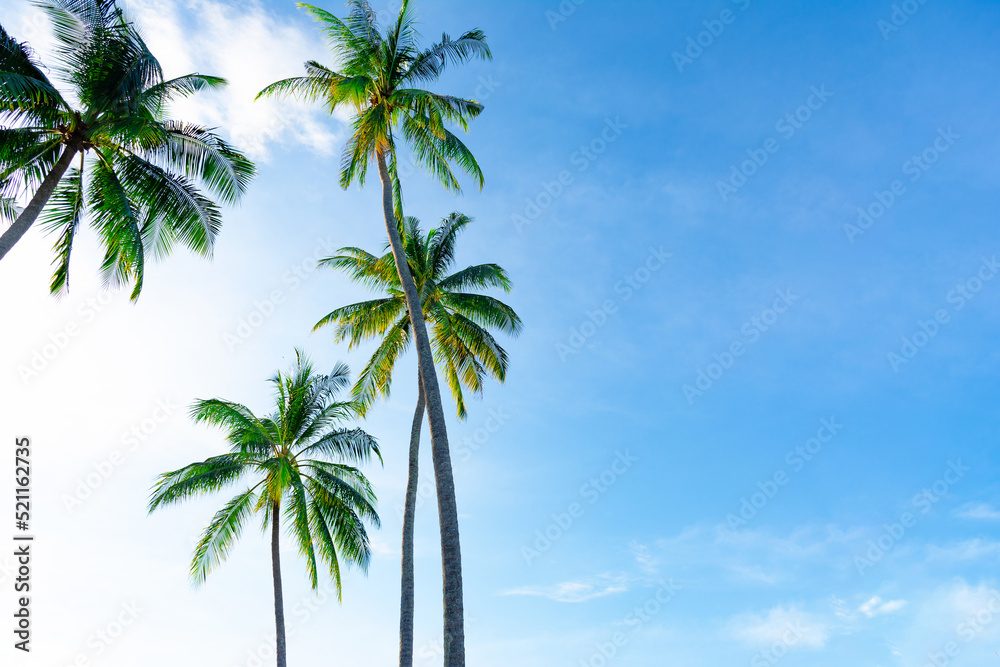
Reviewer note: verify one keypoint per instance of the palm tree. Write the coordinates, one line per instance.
(463, 346)
(140, 191)
(377, 78)
(292, 458)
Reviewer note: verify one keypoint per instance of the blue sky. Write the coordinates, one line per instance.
(808, 500)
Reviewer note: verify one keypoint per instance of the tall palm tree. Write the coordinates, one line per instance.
(139, 187)
(377, 77)
(463, 346)
(293, 459)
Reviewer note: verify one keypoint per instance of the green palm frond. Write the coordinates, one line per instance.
(297, 516)
(485, 311)
(200, 154)
(245, 432)
(362, 321)
(460, 320)
(63, 215)
(221, 534)
(364, 268)
(480, 276)
(348, 444)
(376, 378)
(117, 222)
(207, 476)
(429, 65)
(150, 180)
(8, 209)
(296, 460)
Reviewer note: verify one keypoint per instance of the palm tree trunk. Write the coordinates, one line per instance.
(409, 515)
(37, 203)
(451, 550)
(279, 605)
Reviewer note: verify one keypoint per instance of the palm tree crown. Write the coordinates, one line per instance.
(136, 179)
(291, 459)
(377, 77)
(459, 319)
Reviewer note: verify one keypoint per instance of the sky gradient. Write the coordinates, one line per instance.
(754, 246)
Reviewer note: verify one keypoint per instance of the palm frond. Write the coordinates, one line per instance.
(220, 535)
(116, 218)
(430, 63)
(344, 444)
(204, 477)
(297, 515)
(198, 153)
(480, 276)
(63, 214)
(376, 378)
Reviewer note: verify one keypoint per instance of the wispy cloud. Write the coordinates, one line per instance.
(249, 46)
(244, 43)
(644, 558)
(964, 551)
(575, 591)
(781, 625)
(982, 511)
(876, 606)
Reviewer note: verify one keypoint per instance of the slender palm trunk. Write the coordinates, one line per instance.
(37, 203)
(279, 605)
(409, 515)
(451, 550)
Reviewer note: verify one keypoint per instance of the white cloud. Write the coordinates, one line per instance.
(753, 574)
(644, 558)
(877, 607)
(575, 591)
(787, 626)
(251, 48)
(983, 511)
(243, 43)
(968, 550)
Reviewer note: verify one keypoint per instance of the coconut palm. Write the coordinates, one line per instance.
(104, 150)
(464, 348)
(378, 77)
(292, 463)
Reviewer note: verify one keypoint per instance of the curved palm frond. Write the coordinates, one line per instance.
(296, 461)
(460, 320)
(143, 191)
(221, 534)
